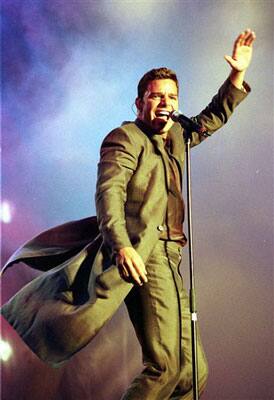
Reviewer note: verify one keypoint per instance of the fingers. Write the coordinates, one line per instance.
(137, 272)
(123, 271)
(131, 266)
(250, 37)
(245, 38)
(130, 274)
(241, 39)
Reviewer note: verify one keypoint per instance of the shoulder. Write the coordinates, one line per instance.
(127, 133)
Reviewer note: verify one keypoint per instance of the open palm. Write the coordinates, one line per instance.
(242, 51)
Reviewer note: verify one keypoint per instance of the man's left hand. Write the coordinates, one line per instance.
(242, 51)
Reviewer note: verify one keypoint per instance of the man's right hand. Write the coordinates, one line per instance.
(131, 266)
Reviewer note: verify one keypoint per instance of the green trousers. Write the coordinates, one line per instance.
(159, 311)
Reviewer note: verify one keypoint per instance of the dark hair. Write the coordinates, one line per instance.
(156, 73)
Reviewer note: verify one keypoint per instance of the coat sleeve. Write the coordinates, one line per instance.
(217, 113)
(118, 161)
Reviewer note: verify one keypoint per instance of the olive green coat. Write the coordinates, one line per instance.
(60, 311)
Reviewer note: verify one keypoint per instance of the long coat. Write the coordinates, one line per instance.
(61, 310)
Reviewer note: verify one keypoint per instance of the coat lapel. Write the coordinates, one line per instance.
(177, 145)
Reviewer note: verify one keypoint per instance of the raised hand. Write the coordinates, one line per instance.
(242, 51)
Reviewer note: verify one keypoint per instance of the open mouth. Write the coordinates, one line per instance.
(162, 114)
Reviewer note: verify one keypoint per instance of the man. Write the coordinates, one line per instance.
(140, 213)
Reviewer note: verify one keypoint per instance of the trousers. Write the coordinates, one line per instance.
(159, 311)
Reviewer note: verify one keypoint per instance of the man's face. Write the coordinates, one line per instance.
(160, 98)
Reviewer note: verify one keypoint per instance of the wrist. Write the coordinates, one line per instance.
(237, 78)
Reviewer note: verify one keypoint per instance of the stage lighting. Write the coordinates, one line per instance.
(5, 212)
(5, 350)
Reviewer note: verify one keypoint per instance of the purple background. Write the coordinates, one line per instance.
(69, 75)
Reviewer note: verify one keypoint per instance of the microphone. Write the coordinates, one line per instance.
(187, 123)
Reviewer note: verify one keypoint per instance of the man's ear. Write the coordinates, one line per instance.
(139, 104)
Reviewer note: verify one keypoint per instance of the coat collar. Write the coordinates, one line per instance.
(175, 141)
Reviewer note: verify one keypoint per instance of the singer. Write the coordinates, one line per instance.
(140, 214)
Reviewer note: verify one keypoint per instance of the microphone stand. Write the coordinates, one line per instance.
(192, 294)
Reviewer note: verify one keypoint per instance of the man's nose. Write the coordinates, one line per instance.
(164, 100)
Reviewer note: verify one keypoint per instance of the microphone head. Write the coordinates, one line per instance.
(174, 115)
(187, 123)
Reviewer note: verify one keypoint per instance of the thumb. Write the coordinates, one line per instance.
(231, 61)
